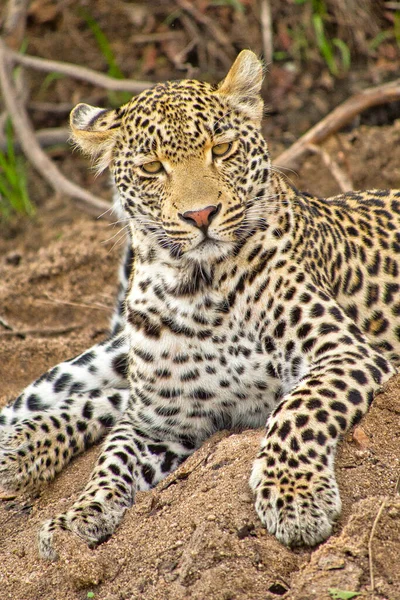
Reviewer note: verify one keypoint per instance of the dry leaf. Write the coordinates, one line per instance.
(361, 438)
(43, 11)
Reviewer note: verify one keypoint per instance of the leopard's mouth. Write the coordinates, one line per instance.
(205, 247)
(208, 242)
(209, 249)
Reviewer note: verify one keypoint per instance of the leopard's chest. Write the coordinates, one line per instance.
(197, 365)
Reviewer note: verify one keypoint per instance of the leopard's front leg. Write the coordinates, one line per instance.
(297, 497)
(131, 460)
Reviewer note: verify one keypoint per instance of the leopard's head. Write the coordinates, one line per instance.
(188, 159)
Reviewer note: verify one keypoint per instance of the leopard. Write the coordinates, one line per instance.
(242, 303)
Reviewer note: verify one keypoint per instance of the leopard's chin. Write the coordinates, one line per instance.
(209, 250)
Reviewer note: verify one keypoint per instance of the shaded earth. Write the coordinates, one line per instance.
(196, 535)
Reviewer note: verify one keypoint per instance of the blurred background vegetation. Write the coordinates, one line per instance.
(318, 52)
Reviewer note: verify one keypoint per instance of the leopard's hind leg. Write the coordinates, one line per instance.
(102, 367)
(33, 450)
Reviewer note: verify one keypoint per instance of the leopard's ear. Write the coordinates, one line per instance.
(242, 85)
(94, 130)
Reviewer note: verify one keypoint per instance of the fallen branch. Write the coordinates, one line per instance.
(78, 72)
(15, 22)
(371, 537)
(343, 180)
(52, 136)
(162, 36)
(32, 149)
(266, 30)
(338, 118)
(62, 108)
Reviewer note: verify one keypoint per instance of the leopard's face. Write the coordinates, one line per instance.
(188, 159)
(181, 148)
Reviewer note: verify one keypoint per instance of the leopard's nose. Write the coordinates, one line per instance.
(201, 218)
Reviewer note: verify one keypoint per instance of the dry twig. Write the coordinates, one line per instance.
(45, 332)
(162, 36)
(78, 72)
(397, 486)
(31, 147)
(371, 537)
(15, 22)
(266, 30)
(193, 33)
(338, 118)
(45, 138)
(96, 306)
(218, 35)
(341, 177)
(4, 324)
(62, 108)
(6, 496)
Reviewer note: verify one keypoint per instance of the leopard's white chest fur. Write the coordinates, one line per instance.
(202, 366)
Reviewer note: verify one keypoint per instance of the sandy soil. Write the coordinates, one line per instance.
(196, 535)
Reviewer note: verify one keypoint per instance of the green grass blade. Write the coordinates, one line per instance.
(14, 195)
(344, 52)
(8, 169)
(5, 189)
(104, 45)
(323, 44)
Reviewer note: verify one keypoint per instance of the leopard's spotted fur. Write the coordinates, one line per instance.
(248, 303)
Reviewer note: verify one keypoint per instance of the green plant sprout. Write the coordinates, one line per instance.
(13, 183)
(235, 4)
(389, 34)
(338, 594)
(396, 26)
(379, 39)
(115, 98)
(326, 46)
(48, 80)
(172, 17)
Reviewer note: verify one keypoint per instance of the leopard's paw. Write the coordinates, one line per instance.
(92, 521)
(17, 458)
(29, 454)
(297, 505)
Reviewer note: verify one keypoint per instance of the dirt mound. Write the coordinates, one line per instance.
(196, 535)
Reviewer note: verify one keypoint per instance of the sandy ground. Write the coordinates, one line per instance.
(196, 535)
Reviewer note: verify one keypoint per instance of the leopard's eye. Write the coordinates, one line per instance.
(221, 149)
(153, 167)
